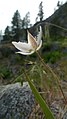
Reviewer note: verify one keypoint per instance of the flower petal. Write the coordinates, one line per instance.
(26, 53)
(24, 47)
(32, 41)
(39, 45)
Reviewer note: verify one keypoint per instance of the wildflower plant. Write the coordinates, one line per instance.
(33, 45)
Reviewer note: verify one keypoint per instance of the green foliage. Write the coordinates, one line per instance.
(36, 75)
(47, 46)
(19, 59)
(52, 56)
(53, 51)
(18, 79)
(5, 73)
(63, 42)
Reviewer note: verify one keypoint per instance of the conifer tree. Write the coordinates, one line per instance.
(41, 13)
(16, 25)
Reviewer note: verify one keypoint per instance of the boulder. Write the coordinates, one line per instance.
(16, 101)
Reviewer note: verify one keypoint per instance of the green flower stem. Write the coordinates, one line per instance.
(40, 100)
(54, 75)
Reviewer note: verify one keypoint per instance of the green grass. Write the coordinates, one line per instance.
(53, 56)
(5, 72)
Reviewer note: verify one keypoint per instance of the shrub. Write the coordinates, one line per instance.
(52, 57)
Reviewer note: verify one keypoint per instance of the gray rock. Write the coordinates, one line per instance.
(65, 115)
(16, 101)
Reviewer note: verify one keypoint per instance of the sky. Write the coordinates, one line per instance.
(9, 7)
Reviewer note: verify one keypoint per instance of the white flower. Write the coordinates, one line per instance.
(32, 45)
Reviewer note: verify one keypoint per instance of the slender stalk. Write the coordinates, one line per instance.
(54, 75)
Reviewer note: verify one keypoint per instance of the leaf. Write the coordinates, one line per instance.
(40, 100)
